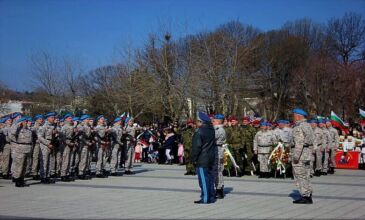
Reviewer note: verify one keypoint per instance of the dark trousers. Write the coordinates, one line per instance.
(206, 184)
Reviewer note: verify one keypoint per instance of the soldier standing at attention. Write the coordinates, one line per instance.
(235, 142)
(203, 156)
(325, 145)
(186, 137)
(262, 145)
(220, 139)
(36, 148)
(317, 148)
(130, 132)
(248, 134)
(84, 144)
(67, 131)
(116, 144)
(23, 137)
(100, 137)
(15, 117)
(45, 136)
(303, 140)
(5, 160)
(334, 143)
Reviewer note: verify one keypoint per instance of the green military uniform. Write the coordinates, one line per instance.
(186, 137)
(234, 140)
(247, 136)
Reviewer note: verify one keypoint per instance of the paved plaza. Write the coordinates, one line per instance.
(163, 192)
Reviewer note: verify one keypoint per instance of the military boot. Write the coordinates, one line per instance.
(19, 182)
(304, 200)
(220, 193)
(317, 173)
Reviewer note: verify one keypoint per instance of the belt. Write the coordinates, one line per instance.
(25, 143)
(305, 146)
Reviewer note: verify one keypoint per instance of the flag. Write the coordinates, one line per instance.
(337, 122)
(362, 112)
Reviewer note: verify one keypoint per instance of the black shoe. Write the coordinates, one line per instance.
(128, 172)
(324, 173)
(44, 181)
(82, 177)
(51, 181)
(65, 179)
(36, 177)
(187, 173)
(331, 171)
(304, 200)
(201, 202)
(317, 173)
(53, 175)
(19, 182)
(7, 177)
(101, 176)
(220, 193)
(114, 174)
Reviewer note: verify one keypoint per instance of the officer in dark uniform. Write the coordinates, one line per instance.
(203, 156)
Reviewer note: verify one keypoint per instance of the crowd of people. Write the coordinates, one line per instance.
(50, 146)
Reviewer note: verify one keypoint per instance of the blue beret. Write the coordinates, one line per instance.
(2, 120)
(84, 117)
(203, 117)
(99, 117)
(263, 123)
(286, 122)
(6, 118)
(300, 112)
(268, 124)
(15, 114)
(50, 114)
(75, 119)
(67, 116)
(219, 116)
(280, 121)
(22, 119)
(322, 120)
(127, 119)
(38, 117)
(312, 121)
(117, 119)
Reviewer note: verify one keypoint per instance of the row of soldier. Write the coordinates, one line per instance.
(310, 148)
(252, 142)
(48, 147)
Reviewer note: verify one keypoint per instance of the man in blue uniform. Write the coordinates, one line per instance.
(203, 156)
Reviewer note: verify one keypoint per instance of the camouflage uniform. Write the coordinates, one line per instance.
(317, 150)
(334, 142)
(6, 155)
(68, 144)
(116, 145)
(130, 132)
(84, 143)
(248, 134)
(45, 137)
(263, 143)
(303, 138)
(100, 142)
(36, 153)
(220, 138)
(326, 148)
(23, 150)
(234, 141)
(186, 137)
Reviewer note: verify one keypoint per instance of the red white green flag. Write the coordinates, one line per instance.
(337, 122)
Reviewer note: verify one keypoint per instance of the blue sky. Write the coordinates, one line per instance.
(93, 30)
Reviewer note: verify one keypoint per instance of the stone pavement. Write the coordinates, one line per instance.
(163, 192)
